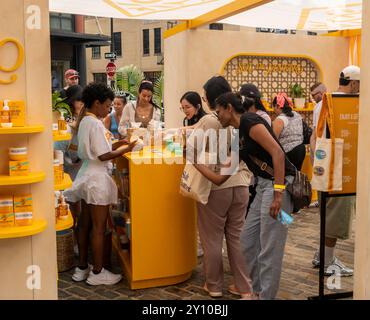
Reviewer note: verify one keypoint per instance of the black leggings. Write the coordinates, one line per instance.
(297, 155)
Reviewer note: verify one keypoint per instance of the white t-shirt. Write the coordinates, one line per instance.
(265, 116)
(316, 114)
(92, 139)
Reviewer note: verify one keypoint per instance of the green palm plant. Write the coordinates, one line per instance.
(58, 104)
(128, 79)
(158, 93)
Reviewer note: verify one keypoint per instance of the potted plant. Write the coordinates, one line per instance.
(297, 93)
(58, 104)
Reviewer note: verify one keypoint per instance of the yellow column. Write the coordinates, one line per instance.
(362, 241)
(28, 264)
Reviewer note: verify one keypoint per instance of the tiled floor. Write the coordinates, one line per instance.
(299, 280)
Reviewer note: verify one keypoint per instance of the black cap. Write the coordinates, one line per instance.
(250, 90)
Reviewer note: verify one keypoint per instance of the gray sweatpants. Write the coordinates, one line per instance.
(263, 240)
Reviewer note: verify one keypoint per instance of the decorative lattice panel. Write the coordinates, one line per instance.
(271, 74)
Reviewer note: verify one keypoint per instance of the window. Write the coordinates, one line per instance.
(96, 54)
(152, 75)
(117, 43)
(157, 41)
(146, 50)
(61, 21)
(216, 26)
(100, 78)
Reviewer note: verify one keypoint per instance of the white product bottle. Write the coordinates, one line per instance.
(5, 116)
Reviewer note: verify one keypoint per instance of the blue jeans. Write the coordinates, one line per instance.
(263, 240)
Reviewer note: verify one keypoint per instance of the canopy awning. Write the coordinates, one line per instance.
(138, 9)
(312, 15)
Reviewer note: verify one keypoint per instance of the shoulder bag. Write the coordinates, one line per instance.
(300, 189)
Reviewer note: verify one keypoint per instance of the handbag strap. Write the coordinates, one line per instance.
(262, 165)
(265, 167)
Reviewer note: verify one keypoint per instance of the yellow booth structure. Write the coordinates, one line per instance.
(163, 223)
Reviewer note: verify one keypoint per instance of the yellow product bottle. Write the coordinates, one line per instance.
(56, 205)
(62, 125)
(18, 154)
(58, 174)
(6, 211)
(5, 116)
(59, 155)
(23, 210)
(63, 208)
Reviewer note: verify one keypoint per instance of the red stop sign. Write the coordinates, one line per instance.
(111, 69)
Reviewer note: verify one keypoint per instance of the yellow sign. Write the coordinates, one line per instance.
(345, 120)
(270, 68)
(17, 63)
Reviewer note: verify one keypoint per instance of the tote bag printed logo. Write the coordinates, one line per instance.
(320, 154)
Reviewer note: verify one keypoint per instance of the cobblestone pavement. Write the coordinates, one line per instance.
(299, 280)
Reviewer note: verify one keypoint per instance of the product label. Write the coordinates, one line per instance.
(19, 168)
(23, 204)
(17, 113)
(6, 219)
(23, 215)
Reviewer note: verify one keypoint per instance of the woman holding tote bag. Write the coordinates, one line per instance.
(224, 212)
(263, 237)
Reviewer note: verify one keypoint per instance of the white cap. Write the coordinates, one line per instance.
(350, 73)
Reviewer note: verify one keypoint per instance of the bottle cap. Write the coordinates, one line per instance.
(6, 107)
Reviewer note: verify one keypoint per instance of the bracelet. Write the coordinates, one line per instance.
(279, 190)
(279, 186)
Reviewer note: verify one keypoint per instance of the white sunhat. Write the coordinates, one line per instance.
(351, 73)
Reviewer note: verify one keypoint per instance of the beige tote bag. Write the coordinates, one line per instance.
(194, 185)
(328, 158)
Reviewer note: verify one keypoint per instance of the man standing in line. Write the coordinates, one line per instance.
(339, 210)
(71, 78)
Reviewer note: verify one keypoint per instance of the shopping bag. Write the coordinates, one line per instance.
(327, 174)
(194, 185)
(328, 158)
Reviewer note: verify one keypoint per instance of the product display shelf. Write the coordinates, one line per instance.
(67, 183)
(62, 137)
(37, 226)
(64, 224)
(34, 177)
(162, 232)
(25, 129)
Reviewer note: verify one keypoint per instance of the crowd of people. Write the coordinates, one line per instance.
(243, 208)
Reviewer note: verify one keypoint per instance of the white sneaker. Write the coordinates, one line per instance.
(200, 251)
(316, 260)
(338, 268)
(81, 275)
(104, 277)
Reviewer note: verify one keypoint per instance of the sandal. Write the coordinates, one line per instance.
(213, 294)
(244, 296)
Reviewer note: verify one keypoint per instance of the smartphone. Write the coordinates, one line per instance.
(285, 218)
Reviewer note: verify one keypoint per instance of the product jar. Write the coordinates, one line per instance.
(18, 154)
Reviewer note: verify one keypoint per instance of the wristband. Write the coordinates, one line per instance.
(279, 190)
(279, 186)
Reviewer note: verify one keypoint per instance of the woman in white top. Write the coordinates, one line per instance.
(142, 111)
(93, 184)
(288, 128)
(249, 90)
